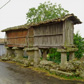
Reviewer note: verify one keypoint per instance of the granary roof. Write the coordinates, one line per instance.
(25, 26)
(71, 17)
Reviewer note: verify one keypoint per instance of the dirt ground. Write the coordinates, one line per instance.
(14, 74)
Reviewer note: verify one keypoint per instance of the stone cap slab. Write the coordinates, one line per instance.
(67, 50)
(15, 48)
(30, 49)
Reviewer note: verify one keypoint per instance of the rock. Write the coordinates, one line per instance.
(18, 60)
(26, 63)
(58, 72)
(41, 66)
(70, 67)
(77, 72)
(63, 67)
(82, 65)
(31, 63)
(64, 73)
(81, 74)
(47, 67)
(53, 70)
(82, 58)
(5, 59)
(54, 66)
(45, 62)
(76, 64)
(80, 70)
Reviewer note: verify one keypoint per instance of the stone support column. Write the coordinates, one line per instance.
(64, 55)
(10, 53)
(30, 54)
(71, 56)
(44, 54)
(36, 57)
(33, 55)
(18, 53)
(63, 58)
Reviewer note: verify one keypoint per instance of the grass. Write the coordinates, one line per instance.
(62, 77)
(48, 73)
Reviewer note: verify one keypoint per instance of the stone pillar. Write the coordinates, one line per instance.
(36, 57)
(33, 56)
(30, 55)
(71, 56)
(18, 53)
(63, 59)
(64, 55)
(10, 53)
(44, 54)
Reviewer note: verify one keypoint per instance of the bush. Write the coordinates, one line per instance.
(79, 42)
(54, 55)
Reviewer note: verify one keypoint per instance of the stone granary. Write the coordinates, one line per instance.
(56, 33)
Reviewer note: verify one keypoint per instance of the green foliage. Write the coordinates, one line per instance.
(54, 55)
(79, 42)
(45, 11)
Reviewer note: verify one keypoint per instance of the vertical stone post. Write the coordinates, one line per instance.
(44, 54)
(30, 53)
(36, 57)
(71, 56)
(18, 53)
(33, 56)
(63, 58)
(9, 53)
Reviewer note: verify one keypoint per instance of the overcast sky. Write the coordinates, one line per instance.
(14, 13)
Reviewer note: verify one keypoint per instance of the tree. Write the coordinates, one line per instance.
(45, 11)
(79, 42)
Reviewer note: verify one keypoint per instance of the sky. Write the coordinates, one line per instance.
(14, 13)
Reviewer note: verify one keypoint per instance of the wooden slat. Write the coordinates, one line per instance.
(47, 35)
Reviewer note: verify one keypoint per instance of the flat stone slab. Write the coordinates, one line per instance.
(45, 62)
(58, 72)
(64, 73)
(67, 50)
(30, 49)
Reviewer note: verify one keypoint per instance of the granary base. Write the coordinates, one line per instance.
(10, 53)
(36, 57)
(33, 55)
(64, 55)
(63, 59)
(18, 53)
(30, 53)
